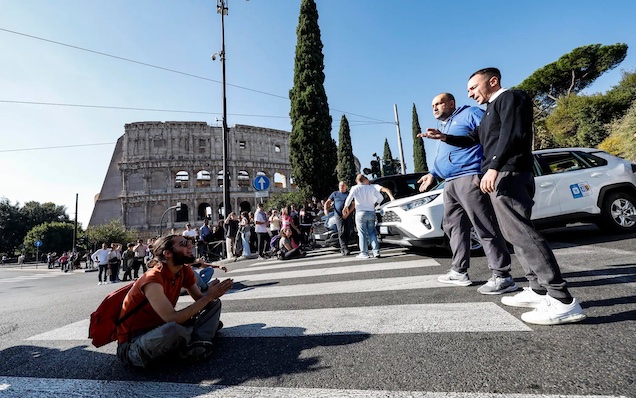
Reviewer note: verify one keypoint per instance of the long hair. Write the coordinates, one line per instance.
(161, 244)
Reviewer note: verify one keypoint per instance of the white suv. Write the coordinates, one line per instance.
(572, 185)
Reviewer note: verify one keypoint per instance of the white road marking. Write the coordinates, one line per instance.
(387, 319)
(269, 265)
(344, 287)
(368, 266)
(21, 387)
(22, 278)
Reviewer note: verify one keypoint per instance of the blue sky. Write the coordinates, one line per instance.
(377, 53)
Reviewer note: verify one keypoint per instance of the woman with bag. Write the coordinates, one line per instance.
(114, 260)
(245, 232)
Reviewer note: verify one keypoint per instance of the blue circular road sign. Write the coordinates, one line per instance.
(261, 183)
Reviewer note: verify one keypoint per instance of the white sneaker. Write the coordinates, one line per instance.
(362, 255)
(455, 278)
(527, 299)
(554, 312)
(99, 283)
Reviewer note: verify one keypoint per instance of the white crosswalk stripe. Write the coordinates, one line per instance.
(19, 387)
(32, 277)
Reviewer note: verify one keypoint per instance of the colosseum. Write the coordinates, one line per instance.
(156, 165)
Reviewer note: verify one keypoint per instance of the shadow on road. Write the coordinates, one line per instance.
(235, 361)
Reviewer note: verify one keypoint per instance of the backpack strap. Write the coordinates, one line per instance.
(131, 312)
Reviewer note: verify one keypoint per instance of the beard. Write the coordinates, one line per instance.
(181, 259)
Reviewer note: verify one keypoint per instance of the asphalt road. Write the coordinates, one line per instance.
(333, 326)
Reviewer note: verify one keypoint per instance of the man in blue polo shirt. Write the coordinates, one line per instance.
(344, 224)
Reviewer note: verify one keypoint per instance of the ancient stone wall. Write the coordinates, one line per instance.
(157, 164)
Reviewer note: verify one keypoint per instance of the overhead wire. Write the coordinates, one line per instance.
(173, 70)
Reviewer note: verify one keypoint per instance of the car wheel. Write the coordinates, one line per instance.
(617, 211)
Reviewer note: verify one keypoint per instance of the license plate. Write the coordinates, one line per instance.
(384, 230)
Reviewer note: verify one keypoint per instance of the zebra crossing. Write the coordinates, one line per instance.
(31, 277)
(302, 284)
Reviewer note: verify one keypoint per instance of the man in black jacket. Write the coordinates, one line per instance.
(505, 133)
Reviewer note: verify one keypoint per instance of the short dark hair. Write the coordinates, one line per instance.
(450, 96)
(489, 72)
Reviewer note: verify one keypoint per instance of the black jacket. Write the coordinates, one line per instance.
(505, 133)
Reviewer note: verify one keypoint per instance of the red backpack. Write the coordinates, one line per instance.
(104, 321)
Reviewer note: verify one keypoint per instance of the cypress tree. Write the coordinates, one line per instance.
(387, 160)
(313, 153)
(419, 153)
(346, 164)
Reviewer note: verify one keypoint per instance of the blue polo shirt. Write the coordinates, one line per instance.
(338, 199)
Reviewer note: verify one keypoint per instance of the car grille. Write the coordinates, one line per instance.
(390, 216)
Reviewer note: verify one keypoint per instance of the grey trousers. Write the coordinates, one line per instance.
(170, 337)
(513, 201)
(345, 226)
(465, 204)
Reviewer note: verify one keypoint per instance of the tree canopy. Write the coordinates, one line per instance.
(55, 236)
(313, 153)
(113, 232)
(583, 120)
(622, 139)
(346, 162)
(419, 153)
(16, 221)
(571, 73)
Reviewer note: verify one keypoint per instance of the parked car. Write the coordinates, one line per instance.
(326, 232)
(572, 185)
(401, 185)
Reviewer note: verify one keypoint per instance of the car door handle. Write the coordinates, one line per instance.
(545, 185)
(594, 175)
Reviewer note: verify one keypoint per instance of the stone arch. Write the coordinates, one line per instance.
(219, 179)
(243, 178)
(245, 206)
(203, 179)
(204, 211)
(181, 179)
(220, 210)
(183, 214)
(280, 181)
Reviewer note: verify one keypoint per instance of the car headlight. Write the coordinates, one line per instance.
(418, 202)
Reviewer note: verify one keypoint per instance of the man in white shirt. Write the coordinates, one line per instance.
(260, 219)
(189, 232)
(366, 197)
(101, 258)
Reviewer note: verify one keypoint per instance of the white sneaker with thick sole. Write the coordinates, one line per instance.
(526, 299)
(455, 278)
(554, 312)
(362, 255)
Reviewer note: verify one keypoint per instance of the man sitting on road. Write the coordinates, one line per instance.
(158, 329)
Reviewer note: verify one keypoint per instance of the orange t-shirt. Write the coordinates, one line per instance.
(146, 318)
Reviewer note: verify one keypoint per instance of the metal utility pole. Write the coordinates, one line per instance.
(75, 226)
(221, 8)
(399, 136)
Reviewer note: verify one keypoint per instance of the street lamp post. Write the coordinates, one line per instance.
(221, 8)
(164, 214)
